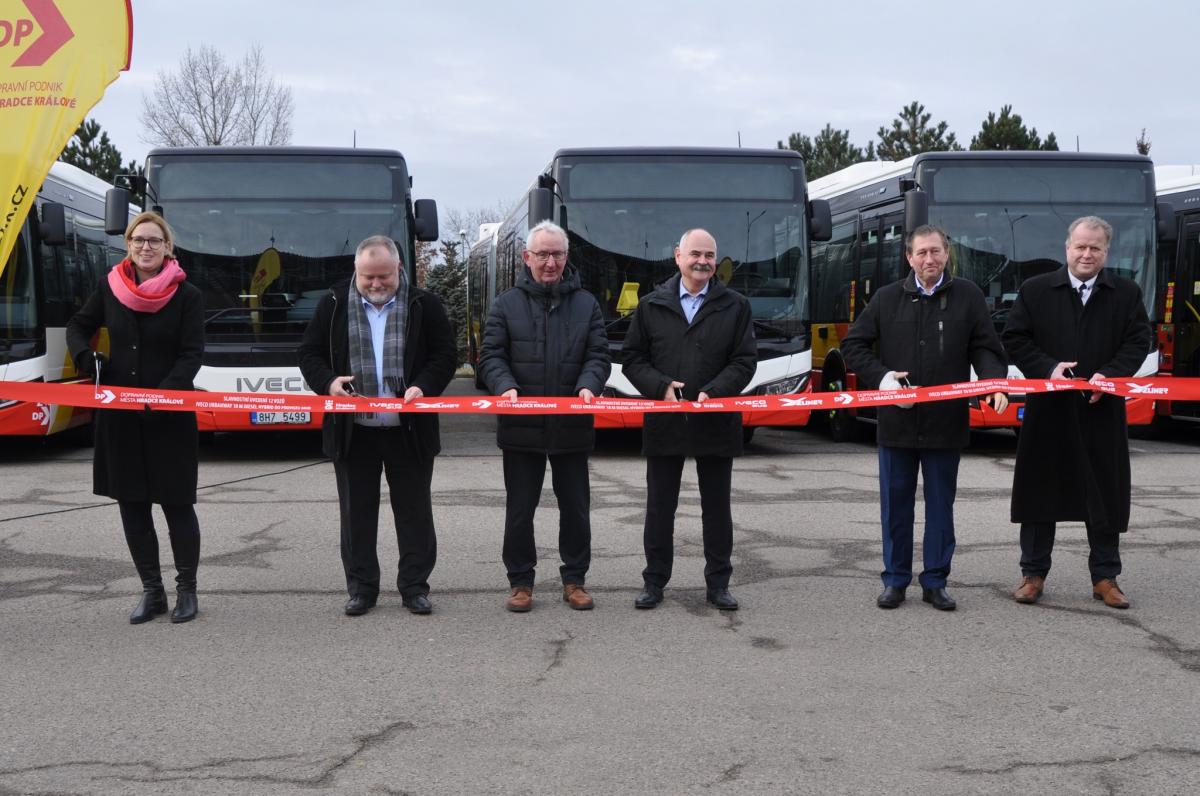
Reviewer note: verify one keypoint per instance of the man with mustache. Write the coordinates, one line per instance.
(376, 335)
(690, 339)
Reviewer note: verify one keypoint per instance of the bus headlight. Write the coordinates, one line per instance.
(783, 386)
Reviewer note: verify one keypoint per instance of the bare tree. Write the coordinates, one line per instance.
(209, 102)
(456, 220)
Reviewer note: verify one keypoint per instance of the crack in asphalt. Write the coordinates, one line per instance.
(558, 654)
(210, 770)
(1166, 751)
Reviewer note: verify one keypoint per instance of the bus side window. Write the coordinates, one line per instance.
(892, 262)
(833, 269)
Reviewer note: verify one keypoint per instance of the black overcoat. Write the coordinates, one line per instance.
(145, 455)
(937, 339)
(715, 354)
(430, 357)
(1073, 457)
(545, 340)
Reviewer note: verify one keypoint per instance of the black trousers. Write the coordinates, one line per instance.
(663, 475)
(184, 531)
(524, 474)
(409, 474)
(1037, 541)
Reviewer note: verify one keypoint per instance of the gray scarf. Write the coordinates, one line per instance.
(362, 351)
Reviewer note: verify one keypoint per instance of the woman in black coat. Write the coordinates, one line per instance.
(155, 324)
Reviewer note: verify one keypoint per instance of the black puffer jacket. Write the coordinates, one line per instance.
(429, 360)
(715, 354)
(936, 339)
(545, 340)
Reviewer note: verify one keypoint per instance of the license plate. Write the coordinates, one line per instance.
(1020, 413)
(280, 418)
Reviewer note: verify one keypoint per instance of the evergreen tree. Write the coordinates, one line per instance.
(911, 134)
(1143, 143)
(830, 151)
(448, 281)
(91, 150)
(1007, 131)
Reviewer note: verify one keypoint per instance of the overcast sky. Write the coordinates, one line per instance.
(478, 96)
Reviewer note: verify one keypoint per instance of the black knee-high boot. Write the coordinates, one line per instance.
(185, 544)
(143, 548)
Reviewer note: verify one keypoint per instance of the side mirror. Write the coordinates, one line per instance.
(425, 212)
(541, 206)
(53, 226)
(1164, 222)
(820, 220)
(116, 211)
(916, 209)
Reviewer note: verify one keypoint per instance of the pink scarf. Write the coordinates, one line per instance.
(151, 295)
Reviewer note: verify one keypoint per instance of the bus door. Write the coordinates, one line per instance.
(1187, 311)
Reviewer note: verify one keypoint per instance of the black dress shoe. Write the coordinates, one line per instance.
(939, 599)
(722, 599)
(185, 607)
(418, 604)
(151, 605)
(890, 597)
(650, 597)
(359, 605)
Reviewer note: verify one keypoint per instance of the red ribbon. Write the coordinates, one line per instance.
(111, 397)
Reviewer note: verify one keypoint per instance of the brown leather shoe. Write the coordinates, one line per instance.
(521, 599)
(1110, 592)
(1030, 589)
(577, 597)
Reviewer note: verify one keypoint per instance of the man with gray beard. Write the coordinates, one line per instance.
(376, 335)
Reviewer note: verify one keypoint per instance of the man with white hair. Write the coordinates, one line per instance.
(545, 336)
(690, 339)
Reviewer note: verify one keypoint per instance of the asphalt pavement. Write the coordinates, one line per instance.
(809, 688)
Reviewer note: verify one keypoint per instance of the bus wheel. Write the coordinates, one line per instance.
(748, 434)
(843, 426)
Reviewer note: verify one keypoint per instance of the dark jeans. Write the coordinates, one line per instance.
(395, 452)
(184, 531)
(663, 475)
(524, 474)
(897, 502)
(1037, 541)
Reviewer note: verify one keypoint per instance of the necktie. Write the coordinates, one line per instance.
(1083, 292)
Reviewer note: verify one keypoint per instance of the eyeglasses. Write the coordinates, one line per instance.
(153, 243)
(542, 257)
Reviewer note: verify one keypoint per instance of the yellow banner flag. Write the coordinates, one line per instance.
(56, 59)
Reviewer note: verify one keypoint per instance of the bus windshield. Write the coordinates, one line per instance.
(264, 238)
(1007, 219)
(625, 219)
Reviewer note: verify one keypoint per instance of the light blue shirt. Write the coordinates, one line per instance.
(1076, 282)
(921, 287)
(691, 304)
(377, 317)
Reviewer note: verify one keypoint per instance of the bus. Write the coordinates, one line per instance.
(264, 232)
(1177, 308)
(481, 289)
(624, 210)
(60, 256)
(1006, 214)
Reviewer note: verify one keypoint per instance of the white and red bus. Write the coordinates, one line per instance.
(1177, 307)
(1006, 214)
(264, 232)
(60, 256)
(624, 210)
